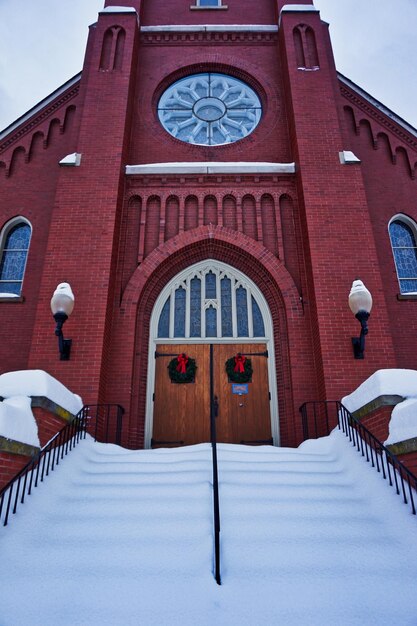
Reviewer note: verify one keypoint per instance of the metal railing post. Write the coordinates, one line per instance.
(216, 504)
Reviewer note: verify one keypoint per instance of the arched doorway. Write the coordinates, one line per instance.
(211, 311)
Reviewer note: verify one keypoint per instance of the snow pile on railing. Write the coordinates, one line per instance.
(17, 421)
(389, 382)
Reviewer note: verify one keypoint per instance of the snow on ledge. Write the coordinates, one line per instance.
(396, 382)
(348, 158)
(211, 28)
(17, 421)
(388, 382)
(297, 8)
(403, 422)
(118, 10)
(291, 8)
(4, 294)
(212, 167)
(39, 383)
(73, 159)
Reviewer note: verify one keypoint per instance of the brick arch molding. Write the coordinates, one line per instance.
(221, 244)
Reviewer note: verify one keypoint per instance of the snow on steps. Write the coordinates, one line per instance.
(308, 537)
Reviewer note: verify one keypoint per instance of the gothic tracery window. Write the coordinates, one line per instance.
(402, 233)
(209, 109)
(210, 301)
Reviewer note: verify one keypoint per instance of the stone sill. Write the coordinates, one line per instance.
(381, 401)
(16, 447)
(403, 447)
(41, 402)
(18, 299)
(194, 7)
(404, 296)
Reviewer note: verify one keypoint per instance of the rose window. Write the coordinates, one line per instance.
(209, 109)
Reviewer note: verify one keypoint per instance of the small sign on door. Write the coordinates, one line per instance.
(240, 389)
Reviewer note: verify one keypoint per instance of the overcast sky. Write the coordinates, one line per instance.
(42, 45)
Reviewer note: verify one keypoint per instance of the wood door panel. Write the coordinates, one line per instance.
(247, 417)
(181, 411)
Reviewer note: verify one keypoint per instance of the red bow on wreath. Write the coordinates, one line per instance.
(182, 363)
(239, 363)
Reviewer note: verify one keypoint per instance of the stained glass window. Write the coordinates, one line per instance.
(163, 325)
(242, 312)
(226, 308)
(13, 259)
(404, 248)
(211, 322)
(195, 307)
(210, 285)
(209, 109)
(258, 322)
(179, 319)
(211, 302)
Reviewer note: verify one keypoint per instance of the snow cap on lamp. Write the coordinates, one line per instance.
(360, 298)
(63, 299)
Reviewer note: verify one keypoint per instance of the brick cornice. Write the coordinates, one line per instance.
(378, 116)
(34, 121)
(207, 37)
(158, 181)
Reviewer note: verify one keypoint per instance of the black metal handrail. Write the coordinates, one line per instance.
(318, 419)
(39, 466)
(214, 407)
(105, 422)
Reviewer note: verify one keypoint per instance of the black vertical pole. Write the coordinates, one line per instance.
(216, 507)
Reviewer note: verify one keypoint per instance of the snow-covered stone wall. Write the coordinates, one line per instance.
(390, 382)
(17, 421)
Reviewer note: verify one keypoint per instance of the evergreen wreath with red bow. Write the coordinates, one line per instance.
(182, 369)
(239, 369)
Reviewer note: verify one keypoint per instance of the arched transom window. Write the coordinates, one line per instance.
(402, 233)
(14, 247)
(211, 300)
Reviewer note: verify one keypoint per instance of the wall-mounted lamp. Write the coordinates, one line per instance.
(62, 304)
(360, 302)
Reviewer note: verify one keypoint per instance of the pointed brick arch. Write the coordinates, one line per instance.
(207, 242)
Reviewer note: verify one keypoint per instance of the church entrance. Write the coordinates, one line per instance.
(182, 411)
(211, 312)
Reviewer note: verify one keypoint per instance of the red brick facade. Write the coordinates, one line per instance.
(10, 465)
(118, 239)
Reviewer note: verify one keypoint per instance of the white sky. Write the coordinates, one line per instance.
(42, 45)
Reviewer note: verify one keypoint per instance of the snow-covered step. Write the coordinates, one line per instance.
(118, 537)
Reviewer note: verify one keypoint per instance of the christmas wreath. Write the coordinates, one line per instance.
(182, 369)
(239, 369)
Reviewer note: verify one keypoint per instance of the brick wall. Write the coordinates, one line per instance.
(10, 465)
(410, 461)
(377, 422)
(303, 239)
(48, 424)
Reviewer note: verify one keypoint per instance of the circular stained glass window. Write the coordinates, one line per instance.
(209, 109)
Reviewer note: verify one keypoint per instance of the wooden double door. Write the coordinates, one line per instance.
(182, 411)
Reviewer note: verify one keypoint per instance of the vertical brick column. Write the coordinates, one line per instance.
(84, 227)
(336, 228)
